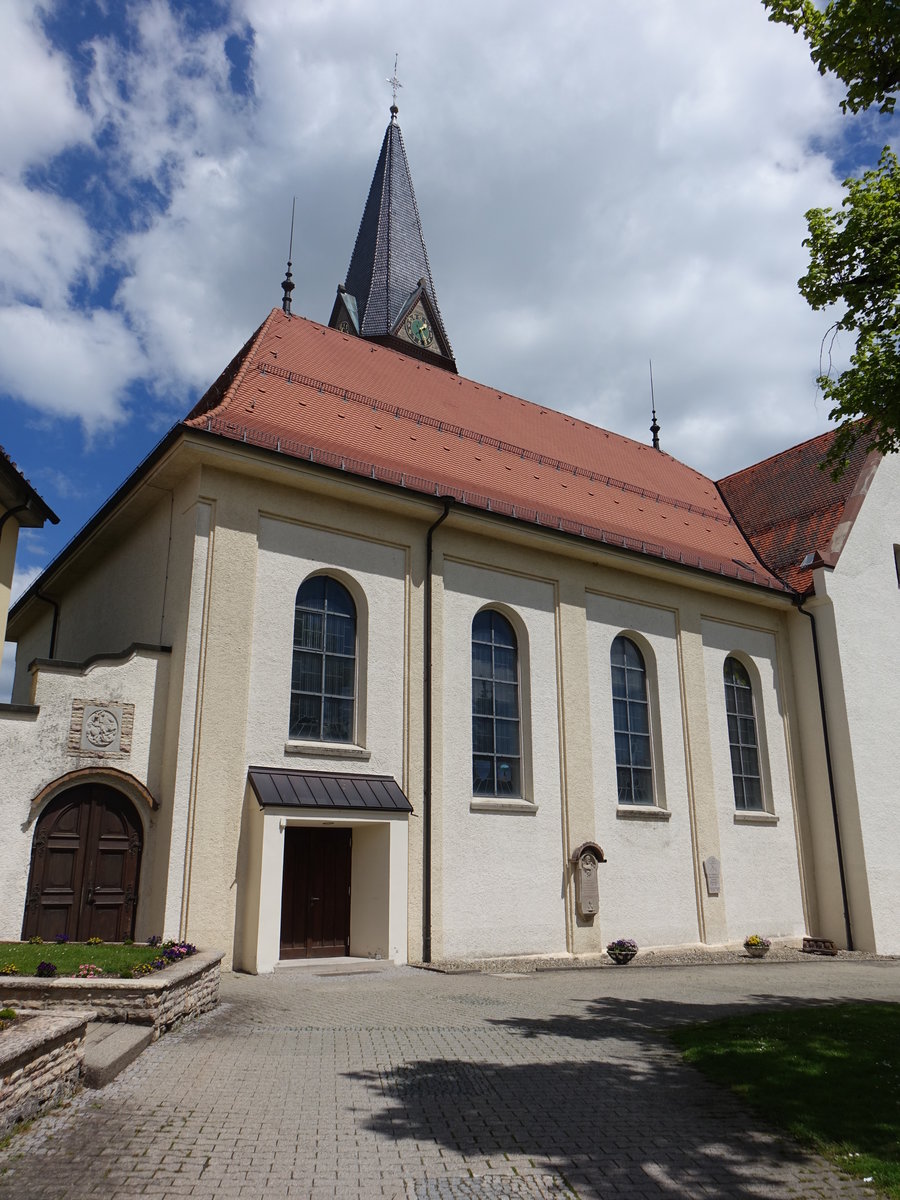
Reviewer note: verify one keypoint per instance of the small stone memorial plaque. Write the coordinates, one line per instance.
(101, 727)
(713, 871)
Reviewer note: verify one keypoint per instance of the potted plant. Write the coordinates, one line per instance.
(622, 950)
(757, 946)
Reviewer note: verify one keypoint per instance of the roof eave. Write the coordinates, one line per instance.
(761, 586)
(84, 535)
(18, 496)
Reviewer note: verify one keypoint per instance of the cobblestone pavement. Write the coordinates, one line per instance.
(419, 1086)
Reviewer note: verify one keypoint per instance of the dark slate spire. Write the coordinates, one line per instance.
(389, 277)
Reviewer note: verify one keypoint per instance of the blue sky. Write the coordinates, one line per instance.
(599, 184)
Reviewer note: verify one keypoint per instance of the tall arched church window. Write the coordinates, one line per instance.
(496, 741)
(742, 736)
(631, 723)
(323, 678)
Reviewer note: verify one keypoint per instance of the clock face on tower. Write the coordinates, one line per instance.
(418, 330)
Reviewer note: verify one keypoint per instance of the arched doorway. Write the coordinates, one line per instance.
(85, 867)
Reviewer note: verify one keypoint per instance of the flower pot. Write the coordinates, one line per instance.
(756, 951)
(621, 957)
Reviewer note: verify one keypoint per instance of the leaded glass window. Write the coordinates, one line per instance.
(496, 744)
(631, 723)
(742, 736)
(323, 679)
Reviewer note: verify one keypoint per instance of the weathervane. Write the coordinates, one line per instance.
(395, 84)
(288, 285)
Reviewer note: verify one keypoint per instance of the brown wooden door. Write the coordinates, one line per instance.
(315, 895)
(85, 867)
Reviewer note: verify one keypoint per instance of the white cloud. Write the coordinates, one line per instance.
(45, 245)
(69, 364)
(23, 578)
(39, 113)
(598, 184)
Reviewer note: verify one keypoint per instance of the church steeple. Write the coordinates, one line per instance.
(389, 294)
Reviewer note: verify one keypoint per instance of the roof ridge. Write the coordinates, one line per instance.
(233, 374)
(482, 439)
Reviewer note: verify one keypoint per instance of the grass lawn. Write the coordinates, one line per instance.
(829, 1077)
(114, 959)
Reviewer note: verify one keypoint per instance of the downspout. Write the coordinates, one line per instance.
(831, 788)
(53, 628)
(426, 785)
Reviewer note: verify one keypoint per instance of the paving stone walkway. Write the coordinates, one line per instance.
(418, 1086)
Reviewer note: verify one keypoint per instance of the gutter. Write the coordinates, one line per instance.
(834, 808)
(11, 512)
(426, 784)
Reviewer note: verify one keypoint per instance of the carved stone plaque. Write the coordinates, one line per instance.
(712, 868)
(101, 727)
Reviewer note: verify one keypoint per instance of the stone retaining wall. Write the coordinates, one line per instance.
(162, 999)
(40, 1064)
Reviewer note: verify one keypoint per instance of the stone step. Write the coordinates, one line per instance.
(109, 1047)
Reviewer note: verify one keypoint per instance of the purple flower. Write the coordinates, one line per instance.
(62, 938)
(45, 970)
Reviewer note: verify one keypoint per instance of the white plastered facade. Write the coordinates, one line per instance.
(210, 572)
(857, 612)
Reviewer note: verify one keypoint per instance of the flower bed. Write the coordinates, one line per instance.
(161, 999)
(125, 960)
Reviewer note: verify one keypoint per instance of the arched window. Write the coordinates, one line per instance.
(496, 745)
(631, 723)
(323, 679)
(742, 736)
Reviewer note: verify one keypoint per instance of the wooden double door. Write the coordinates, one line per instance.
(315, 893)
(85, 867)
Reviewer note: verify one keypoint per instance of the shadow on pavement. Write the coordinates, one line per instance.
(605, 1017)
(621, 1120)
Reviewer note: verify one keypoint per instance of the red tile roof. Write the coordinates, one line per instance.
(789, 508)
(312, 392)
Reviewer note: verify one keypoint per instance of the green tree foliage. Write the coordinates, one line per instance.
(855, 252)
(855, 261)
(859, 40)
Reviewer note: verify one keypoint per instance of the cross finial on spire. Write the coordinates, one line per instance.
(395, 84)
(287, 285)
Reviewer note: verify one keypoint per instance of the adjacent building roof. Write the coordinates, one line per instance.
(17, 493)
(793, 512)
(279, 788)
(389, 260)
(314, 393)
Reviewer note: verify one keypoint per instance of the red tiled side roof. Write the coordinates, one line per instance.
(788, 507)
(312, 392)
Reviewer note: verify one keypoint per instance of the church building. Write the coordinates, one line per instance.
(369, 659)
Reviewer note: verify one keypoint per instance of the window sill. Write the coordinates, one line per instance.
(642, 812)
(752, 816)
(494, 804)
(345, 750)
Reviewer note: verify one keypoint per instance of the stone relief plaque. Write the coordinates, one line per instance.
(101, 727)
(713, 870)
